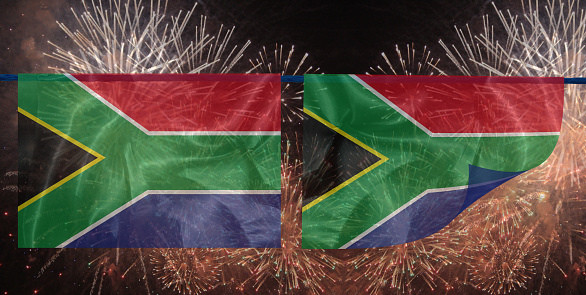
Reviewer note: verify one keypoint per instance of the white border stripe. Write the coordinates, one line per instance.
(432, 134)
(107, 103)
(214, 133)
(428, 191)
(392, 105)
(382, 221)
(154, 133)
(512, 134)
(166, 192)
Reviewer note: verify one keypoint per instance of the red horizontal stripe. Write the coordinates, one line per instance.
(193, 102)
(476, 104)
(179, 77)
(463, 79)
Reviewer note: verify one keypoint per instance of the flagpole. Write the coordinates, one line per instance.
(8, 77)
(574, 80)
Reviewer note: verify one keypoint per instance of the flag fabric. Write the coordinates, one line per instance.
(168, 160)
(392, 159)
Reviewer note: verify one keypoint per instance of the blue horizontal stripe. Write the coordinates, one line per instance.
(425, 217)
(191, 221)
(433, 211)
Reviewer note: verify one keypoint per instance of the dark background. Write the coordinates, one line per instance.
(348, 36)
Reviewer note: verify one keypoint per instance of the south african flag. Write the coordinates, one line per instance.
(185, 160)
(392, 159)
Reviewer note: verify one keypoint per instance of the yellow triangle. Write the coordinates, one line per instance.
(353, 178)
(69, 177)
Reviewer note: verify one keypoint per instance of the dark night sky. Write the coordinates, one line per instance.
(348, 37)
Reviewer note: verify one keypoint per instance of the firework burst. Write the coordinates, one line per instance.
(118, 37)
(401, 268)
(285, 62)
(501, 264)
(411, 62)
(291, 267)
(187, 271)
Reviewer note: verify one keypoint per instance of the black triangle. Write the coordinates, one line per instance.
(44, 158)
(329, 159)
